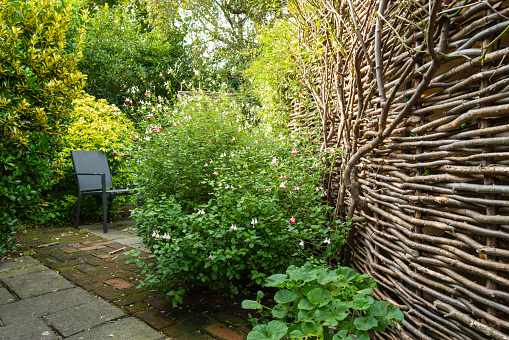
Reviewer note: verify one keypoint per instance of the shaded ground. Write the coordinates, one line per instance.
(98, 266)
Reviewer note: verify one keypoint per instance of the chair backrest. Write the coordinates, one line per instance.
(91, 162)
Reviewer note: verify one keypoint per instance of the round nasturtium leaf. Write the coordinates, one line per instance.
(285, 296)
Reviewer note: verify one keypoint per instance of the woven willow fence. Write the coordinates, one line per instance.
(414, 96)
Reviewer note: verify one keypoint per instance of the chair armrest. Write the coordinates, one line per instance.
(88, 174)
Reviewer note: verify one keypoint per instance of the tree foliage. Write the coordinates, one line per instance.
(126, 55)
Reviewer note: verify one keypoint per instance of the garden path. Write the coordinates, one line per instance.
(44, 296)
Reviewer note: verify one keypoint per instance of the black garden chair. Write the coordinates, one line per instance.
(94, 178)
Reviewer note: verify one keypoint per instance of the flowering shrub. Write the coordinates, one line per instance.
(175, 147)
(228, 209)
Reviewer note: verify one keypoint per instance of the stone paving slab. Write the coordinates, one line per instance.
(79, 318)
(30, 329)
(128, 328)
(11, 268)
(19, 262)
(39, 283)
(6, 296)
(36, 307)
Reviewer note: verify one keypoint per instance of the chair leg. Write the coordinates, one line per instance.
(110, 204)
(78, 206)
(105, 214)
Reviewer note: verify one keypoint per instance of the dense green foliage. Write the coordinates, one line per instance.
(40, 46)
(96, 125)
(227, 205)
(125, 57)
(313, 300)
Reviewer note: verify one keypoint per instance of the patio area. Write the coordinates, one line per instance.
(75, 284)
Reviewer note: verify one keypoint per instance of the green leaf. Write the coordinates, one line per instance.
(362, 335)
(274, 330)
(285, 296)
(306, 273)
(348, 273)
(305, 304)
(305, 315)
(319, 296)
(365, 323)
(361, 304)
(296, 334)
(342, 335)
(250, 304)
(396, 314)
(279, 312)
(311, 329)
(276, 280)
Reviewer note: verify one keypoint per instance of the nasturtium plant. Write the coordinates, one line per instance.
(322, 303)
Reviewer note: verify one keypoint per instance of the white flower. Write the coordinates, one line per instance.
(155, 234)
(254, 221)
(301, 243)
(201, 212)
(166, 236)
(282, 185)
(274, 160)
(297, 188)
(233, 227)
(327, 240)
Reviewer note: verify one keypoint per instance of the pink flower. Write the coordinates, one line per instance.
(292, 220)
(333, 152)
(267, 190)
(160, 74)
(294, 152)
(233, 227)
(219, 185)
(147, 92)
(282, 185)
(256, 143)
(248, 148)
(215, 173)
(210, 257)
(132, 212)
(206, 164)
(282, 177)
(233, 140)
(150, 116)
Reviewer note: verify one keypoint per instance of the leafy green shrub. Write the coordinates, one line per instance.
(40, 44)
(313, 300)
(226, 209)
(96, 125)
(124, 58)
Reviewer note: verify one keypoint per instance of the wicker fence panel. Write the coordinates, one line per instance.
(417, 104)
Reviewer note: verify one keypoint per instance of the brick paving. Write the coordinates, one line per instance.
(98, 265)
